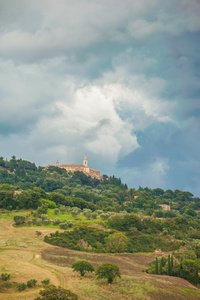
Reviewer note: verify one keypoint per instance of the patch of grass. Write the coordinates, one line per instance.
(125, 288)
(67, 216)
(12, 213)
(191, 291)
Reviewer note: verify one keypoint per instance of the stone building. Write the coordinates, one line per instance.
(165, 206)
(82, 168)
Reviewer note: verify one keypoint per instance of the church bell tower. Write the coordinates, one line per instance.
(85, 161)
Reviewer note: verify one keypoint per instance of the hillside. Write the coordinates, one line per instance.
(26, 256)
(52, 218)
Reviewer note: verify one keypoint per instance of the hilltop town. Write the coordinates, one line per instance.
(78, 167)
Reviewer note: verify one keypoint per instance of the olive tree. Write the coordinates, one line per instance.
(82, 266)
(108, 271)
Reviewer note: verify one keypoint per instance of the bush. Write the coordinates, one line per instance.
(53, 292)
(63, 225)
(62, 209)
(7, 284)
(44, 217)
(31, 282)
(29, 222)
(56, 211)
(38, 233)
(104, 216)
(56, 221)
(38, 222)
(94, 215)
(75, 211)
(5, 276)
(47, 222)
(46, 281)
(19, 219)
(21, 286)
(50, 203)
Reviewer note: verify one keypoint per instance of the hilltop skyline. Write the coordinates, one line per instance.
(117, 80)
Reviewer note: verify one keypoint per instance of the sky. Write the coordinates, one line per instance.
(117, 80)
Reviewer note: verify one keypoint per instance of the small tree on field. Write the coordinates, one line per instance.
(38, 233)
(31, 282)
(5, 276)
(116, 242)
(51, 292)
(29, 222)
(19, 219)
(75, 211)
(56, 211)
(46, 281)
(108, 271)
(62, 209)
(56, 221)
(156, 269)
(21, 286)
(82, 266)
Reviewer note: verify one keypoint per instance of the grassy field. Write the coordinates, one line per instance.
(26, 256)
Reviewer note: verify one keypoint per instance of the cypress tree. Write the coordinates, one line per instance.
(161, 265)
(169, 266)
(172, 264)
(196, 277)
(156, 265)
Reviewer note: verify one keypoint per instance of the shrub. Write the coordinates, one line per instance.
(94, 215)
(63, 225)
(7, 284)
(31, 282)
(104, 216)
(56, 221)
(29, 222)
(46, 281)
(75, 211)
(47, 222)
(56, 211)
(53, 292)
(21, 286)
(19, 219)
(62, 209)
(5, 276)
(44, 217)
(38, 222)
(38, 233)
(50, 203)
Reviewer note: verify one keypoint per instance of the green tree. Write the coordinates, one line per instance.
(56, 211)
(156, 270)
(169, 266)
(51, 292)
(19, 219)
(116, 242)
(21, 286)
(82, 266)
(38, 233)
(31, 282)
(46, 281)
(172, 264)
(108, 271)
(161, 265)
(5, 276)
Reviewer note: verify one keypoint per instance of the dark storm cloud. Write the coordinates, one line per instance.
(66, 67)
